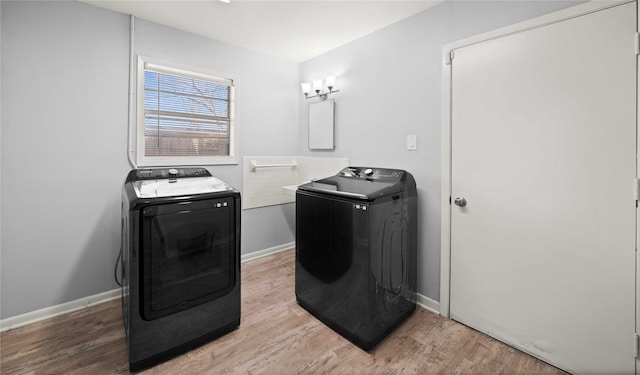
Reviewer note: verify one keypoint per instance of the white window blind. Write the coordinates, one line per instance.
(186, 114)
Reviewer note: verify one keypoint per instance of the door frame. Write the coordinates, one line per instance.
(448, 53)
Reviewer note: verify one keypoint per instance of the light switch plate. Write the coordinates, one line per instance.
(412, 142)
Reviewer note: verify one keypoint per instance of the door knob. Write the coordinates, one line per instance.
(460, 202)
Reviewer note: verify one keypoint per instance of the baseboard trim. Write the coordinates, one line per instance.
(428, 303)
(53, 311)
(266, 252)
(81, 303)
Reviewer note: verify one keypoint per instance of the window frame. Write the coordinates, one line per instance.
(191, 72)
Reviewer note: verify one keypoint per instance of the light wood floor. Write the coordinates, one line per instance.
(276, 336)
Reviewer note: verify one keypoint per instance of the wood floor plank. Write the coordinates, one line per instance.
(276, 336)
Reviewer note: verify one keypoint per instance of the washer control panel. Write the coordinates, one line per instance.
(159, 173)
(372, 173)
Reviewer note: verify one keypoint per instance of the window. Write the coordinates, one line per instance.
(185, 116)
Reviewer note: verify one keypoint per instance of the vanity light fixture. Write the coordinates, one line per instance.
(329, 83)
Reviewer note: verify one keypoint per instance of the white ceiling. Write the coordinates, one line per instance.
(294, 30)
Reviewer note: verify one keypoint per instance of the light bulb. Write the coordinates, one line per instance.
(317, 85)
(331, 82)
(306, 87)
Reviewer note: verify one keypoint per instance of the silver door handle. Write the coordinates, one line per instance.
(460, 202)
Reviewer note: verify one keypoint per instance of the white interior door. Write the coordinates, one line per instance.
(543, 150)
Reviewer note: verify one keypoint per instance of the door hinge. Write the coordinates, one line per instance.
(636, 343)
(448, 57)
(637, 43)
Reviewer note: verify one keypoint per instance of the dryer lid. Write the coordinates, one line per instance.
(178, 187)
(362, 183)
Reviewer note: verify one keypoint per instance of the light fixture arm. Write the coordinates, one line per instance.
(322, 96)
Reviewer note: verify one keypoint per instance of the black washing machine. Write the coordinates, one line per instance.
(356, 251)
(181, 261)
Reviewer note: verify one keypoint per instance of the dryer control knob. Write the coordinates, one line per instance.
(368, 171)
(173, 171)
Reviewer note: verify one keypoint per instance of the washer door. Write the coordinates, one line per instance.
(187, 255)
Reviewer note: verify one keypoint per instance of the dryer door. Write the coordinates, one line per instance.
(187, 255)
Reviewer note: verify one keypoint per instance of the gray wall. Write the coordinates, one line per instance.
(64, 95)
(64, 104)
(390, 84)
(64, 100)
